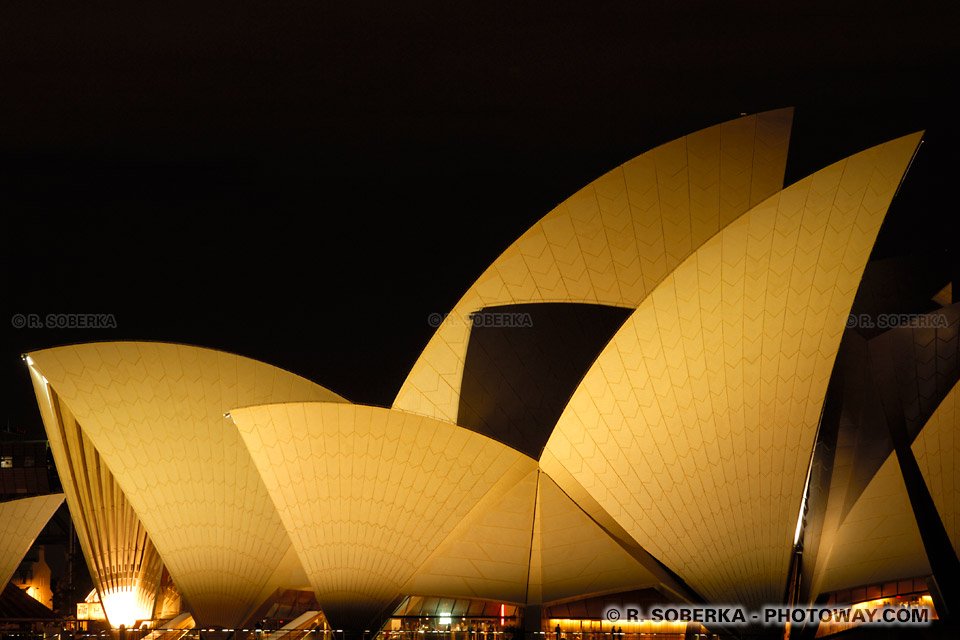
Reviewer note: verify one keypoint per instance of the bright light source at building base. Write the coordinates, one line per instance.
(122, 608)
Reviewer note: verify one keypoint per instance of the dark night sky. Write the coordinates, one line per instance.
(305, 182)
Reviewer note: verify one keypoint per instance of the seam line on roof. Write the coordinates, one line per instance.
(533, 532)
(753, 161)
(686, 170)
(633, 232)
(606, 246)
(806, 309)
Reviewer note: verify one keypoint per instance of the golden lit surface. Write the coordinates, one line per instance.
(693, 428)
(577, 557)
(614, 240)
(35, 582)
(528, 542)
(21, 521)
(937, 449)
(124, 608)
(368, 493)
(487, 555)
(689, 436)
(155, 414)
(877, 541)
(118, 551)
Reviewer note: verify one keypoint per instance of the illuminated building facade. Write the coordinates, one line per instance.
(20, 523)
(634, 398)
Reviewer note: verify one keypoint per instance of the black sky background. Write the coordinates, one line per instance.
(306, 182)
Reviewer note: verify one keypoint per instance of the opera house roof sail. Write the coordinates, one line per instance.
(630, 397)
(153, 414)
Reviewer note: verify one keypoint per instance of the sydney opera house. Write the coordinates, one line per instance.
(662, 392)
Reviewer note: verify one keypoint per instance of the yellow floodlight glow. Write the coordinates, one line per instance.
(122, 608)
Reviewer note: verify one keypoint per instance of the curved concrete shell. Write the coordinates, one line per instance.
(123, 563)
(614, 240)
(488, 554)
(155, 414)
(21, 521)
(366, 494)
(530, 543)
(937, 448)
(878, 541)
(677, 465)
(694, 427)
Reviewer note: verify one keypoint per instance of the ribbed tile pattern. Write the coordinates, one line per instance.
(487, 555)
(368, 493)
(155, 413)
(21, 521)
(878, 540)
(937, 449)
(614, 240)
(121, 558)
(504, 551)
(577, 557)
(693, 429)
